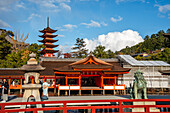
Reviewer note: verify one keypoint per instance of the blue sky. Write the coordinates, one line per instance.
(97, 21)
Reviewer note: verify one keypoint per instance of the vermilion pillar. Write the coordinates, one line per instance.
(66, 82)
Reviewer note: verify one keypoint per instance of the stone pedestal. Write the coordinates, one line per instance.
(31, 89)
(143, 109)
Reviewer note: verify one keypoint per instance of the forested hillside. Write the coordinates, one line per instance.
(151, 43)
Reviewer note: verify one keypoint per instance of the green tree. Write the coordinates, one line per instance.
(36, 49)
(110, 53)
(80, 47)
(100, 52)
(19, 58)
(5, 46)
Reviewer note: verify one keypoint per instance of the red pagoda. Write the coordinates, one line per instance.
(48, 41)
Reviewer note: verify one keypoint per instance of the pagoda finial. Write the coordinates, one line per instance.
(47, 21)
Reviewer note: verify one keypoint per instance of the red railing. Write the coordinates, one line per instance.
(64, 107)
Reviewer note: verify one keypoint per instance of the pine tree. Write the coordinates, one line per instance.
(81, 51)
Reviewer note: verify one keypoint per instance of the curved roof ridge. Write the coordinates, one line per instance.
(94, 58)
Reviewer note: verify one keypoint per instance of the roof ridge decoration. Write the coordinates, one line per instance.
(92, 60)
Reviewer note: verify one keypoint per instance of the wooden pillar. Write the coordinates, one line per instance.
(101, 80)
(80, 80)
(115, 80)
(66, 82)
(9, 83)
(21, 85)
(55, 85)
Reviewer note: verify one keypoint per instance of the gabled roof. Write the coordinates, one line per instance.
(91, 58)
(91, 63)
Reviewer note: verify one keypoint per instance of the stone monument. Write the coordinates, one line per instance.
(139, 91)
(32, 68)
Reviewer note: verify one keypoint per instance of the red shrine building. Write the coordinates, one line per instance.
(90, 73)
(48, 41)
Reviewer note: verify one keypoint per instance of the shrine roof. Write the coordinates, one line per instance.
(48, 29)
(91, 63)
(98, 61)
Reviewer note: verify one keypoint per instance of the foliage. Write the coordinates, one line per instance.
(80, 47)
(18, 59)
(100, 52)
(156, 41)
(36, 49)
(5, 46)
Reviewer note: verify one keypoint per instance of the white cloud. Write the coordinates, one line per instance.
(70, 26)
(92, 24)
(4, 24)
(164, 8)
(116, 19)
(6, 5)
(67, 27)
(118, 1)
(61, 36)
(20, 5)
(65, 6)
(52, 5)
(115, 40)
(104, 24)
(31, 17)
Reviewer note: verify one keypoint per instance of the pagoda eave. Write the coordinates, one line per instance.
(44, 36)
(48, 30)
(51, 46)
(49, 51)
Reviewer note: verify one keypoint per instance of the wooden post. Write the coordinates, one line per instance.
(115, 80)
(21, 85)
(80, 80)
(55, 85)
(66, 82)
(69, 90)
(101, 80)
(9, 83)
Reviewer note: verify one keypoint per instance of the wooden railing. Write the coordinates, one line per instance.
(64, 105)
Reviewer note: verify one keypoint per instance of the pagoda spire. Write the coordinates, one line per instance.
(48, 41)
(48, 21)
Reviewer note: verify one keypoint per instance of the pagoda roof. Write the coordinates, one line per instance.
(47, 35)
(48, 30)
(47, 40)
(50, 45)
(48, 50)
(91, 63)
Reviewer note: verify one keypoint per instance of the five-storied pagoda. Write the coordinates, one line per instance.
(48, 41)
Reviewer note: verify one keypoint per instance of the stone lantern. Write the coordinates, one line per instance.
(32, 68)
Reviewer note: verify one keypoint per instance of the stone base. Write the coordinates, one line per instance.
(31, 90)
(143, 109)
